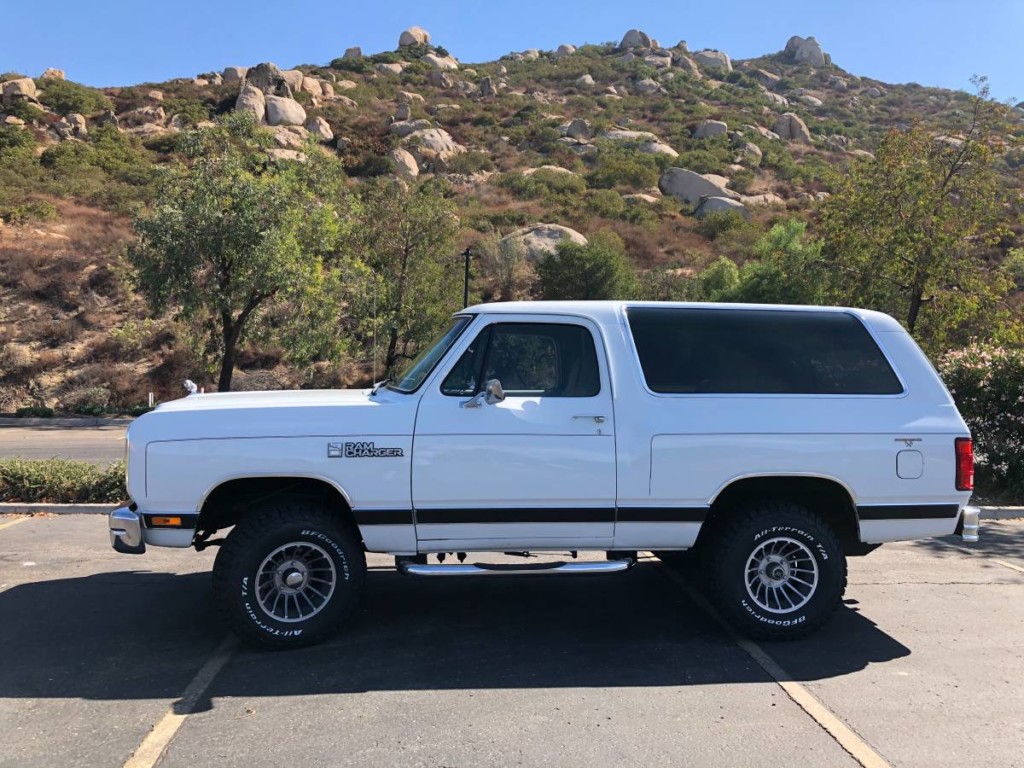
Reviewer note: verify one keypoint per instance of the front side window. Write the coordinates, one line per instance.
(411, 378)
(530, 360)
(749, 351)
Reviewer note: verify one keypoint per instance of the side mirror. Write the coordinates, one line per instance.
(491, 394)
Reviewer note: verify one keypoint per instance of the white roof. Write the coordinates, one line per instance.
(610, 311)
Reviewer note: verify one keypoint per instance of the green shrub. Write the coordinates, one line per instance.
(987, 384)
(13, 138)
(598, 270)
(65, 97)
(471, 162)
(90, 401)
(606, 202)
(719, 222)
(33, 210)
(26, 110)
(621, 168)
(192, 111)
(61, 481)
(34, 412)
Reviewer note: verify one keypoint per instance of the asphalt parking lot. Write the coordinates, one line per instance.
(923, 666)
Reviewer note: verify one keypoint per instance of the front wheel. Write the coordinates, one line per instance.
(778, 571)
(288, 576)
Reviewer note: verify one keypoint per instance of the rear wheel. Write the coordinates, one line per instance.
(778, 571)
(288, 576)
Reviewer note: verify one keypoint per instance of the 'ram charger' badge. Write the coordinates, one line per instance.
(361, 450)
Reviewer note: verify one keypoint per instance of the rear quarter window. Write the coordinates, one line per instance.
(749, 351)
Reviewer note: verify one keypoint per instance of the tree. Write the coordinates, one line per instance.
(504, 263)
(598, 270)
(233, 234)
(788, 269)
(905, 231)
(406, 236)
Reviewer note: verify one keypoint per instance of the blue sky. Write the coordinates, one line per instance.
(122, 42)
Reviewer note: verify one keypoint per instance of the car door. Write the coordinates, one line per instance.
(536, 469)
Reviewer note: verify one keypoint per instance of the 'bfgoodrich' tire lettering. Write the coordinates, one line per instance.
(265, 531)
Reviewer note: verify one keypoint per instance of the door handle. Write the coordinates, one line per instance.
(596, 419)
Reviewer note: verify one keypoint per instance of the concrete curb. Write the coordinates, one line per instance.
(57, 509)
(987, 513)
(67, 421)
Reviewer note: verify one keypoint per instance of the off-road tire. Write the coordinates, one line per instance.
(253, 540)
(735, 542)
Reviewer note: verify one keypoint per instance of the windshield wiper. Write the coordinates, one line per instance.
(378, 386)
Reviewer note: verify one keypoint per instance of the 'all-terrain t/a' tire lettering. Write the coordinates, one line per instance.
(778, 570)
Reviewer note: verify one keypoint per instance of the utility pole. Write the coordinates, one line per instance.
(465, 284)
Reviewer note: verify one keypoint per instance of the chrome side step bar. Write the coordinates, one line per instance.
(513, 569)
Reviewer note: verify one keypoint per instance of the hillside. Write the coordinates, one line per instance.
(579, 140)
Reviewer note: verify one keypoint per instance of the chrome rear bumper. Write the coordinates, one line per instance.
(126, 532)
(970, 523)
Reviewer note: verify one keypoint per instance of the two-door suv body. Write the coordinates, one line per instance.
(775, 441)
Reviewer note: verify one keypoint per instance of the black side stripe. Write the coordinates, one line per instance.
(532, 515)
(523, 515)
(383, 516)
(908, 511)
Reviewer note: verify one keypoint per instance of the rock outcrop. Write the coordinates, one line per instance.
(691, 187)
(53, 74)
(405, 163)
(321, 129)
(233, 74)
(806, 51)
(251, 99)
(634, 38)
(440, 62)
(791, 128)
(540, 240)
(719, 205)
(713, 61)
(284, 111)
(413, 36)
(709, 129)
(21, 88)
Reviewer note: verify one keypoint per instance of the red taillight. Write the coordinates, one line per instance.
(964, 464)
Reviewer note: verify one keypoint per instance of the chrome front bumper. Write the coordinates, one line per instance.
(126, 532)
(970, 523)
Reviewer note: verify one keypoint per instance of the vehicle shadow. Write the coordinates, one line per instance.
(998, 539)
(139, 635)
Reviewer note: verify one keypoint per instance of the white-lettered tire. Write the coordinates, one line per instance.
(288, 575)
(778, 571)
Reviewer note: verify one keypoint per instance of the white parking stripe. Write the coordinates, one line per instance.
(14, 522)
(156, 741)
(843, 735)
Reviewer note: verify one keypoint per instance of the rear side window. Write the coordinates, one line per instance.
(758, 351)
(530, 360)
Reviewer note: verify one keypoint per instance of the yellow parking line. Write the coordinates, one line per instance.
(15, 522)
(152, 747)
(841, 733)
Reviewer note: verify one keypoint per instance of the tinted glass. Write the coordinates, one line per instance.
(530, 360)
(410, 379)
(758, 351)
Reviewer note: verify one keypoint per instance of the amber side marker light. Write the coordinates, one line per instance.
(964, 464)
(165, 522)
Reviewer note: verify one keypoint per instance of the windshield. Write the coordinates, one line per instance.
(411, 378)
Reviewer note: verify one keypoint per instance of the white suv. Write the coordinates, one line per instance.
(775, 440)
